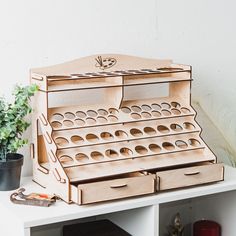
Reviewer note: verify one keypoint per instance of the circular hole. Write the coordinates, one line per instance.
(156, 107)
(101, 119)
(168, 146)
(92, 113)
(68, 123)
(90, 121)
(135, 116)
(136, 132)
(188, 125)
(136, 108)
(165, 105)
(126, 152)
(61, 141)
(126, 110)
(141, 150)
(176, 127)
(175, 104)
(81, 157)
(112, 118)
(56, 124)
(97, 155)
(163, 129)
(156, 113)
(79, 122)
(154, 148)
(166, 112)
(146, 107)
(181, 144)
(194, 142)
(106, 136)
(146, 114)
(76, 139)
(69, 115)
(102, 112)
(111, 153)
(175, 111)
(185, 110)
(121, 134)
(92, 138)
(57, 116)
(113, 111)
(66, 159)
(149, 130)
(80, 114)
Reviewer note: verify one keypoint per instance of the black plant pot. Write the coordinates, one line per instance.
(10, 172)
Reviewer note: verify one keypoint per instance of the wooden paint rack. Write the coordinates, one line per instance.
(94, 142)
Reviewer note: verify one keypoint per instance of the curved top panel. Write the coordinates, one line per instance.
(100, 63)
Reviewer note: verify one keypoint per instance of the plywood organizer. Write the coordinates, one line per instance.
(114, 126)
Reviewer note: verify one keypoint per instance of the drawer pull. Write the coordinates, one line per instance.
(192, 173)
(118, 185)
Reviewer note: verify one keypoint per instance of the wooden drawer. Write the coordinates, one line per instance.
(189, 176)
(126, 186)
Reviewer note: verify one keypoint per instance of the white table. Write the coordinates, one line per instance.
(142, 216)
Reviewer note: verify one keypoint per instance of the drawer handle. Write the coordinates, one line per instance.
(118, 185)
(192, 173)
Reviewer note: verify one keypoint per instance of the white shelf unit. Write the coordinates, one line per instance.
(139, 216)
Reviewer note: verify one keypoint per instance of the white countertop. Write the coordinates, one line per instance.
(30, 216)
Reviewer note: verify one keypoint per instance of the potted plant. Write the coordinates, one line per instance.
(12, 126)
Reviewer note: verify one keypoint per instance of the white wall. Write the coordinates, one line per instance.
(200, 33)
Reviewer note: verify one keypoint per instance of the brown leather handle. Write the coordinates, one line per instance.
(118, 185)
(192, 173)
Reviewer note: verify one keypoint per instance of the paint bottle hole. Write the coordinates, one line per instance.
(111, 153)
(165, 105)
(68, 123)
(69, 115)
(154, 148)
(135, 116)
(91, 113)
(146, 115)
(102, 112)
(136, 108)
(168, 146)
(188, 126)
(57, 116)
(175, 104)
(176, 127)
(97, 156)
(136, 132)
(90, 121)
(166, 112)
(163, 129)
(181, 144)
(66, 159)
(62, 142)
(80, 114)
(113, 111)
(149, 130)
(126, 110)
(81, 157)
(79, 122)
(185, 110)
(106, 136)
(92, 138)
(175, 111)
(146, 107)
(126, 152)
(194, 142)
(76, 139)
(56, 124)
(156, 107)
(121, 134)
(141, 150)
(101, 120)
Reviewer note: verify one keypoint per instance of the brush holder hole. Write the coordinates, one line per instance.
(68, 123)
(56, 124)
(106, 136)
(97, 156)
(81, 114)
(146, 107)
(112, 118)
(76, 139)
(126, 152)
(92, 138)
(156, 107)
(102, 112)
(154, 148)
(92, 113)
(166, 112)
(111, 153)
(66, 159)
(168, 146)
(81, 157)
(136, 132)
(175, 104)
(135, 116)
(146, 115)
(176, 127)
(57, 116)
(185, 110)
(165, 105)
(194, 142)
(121, 134)
(136, 108)
(141, 150)
(175, 111)
(62, 142)
(181, 144)
(113, 111)
(79, 122)
(90, 121)
(101, 119)
(149, 130)
(156, 113)
(126, 110)
(163, 129)
(188, 126)
(69, 115)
